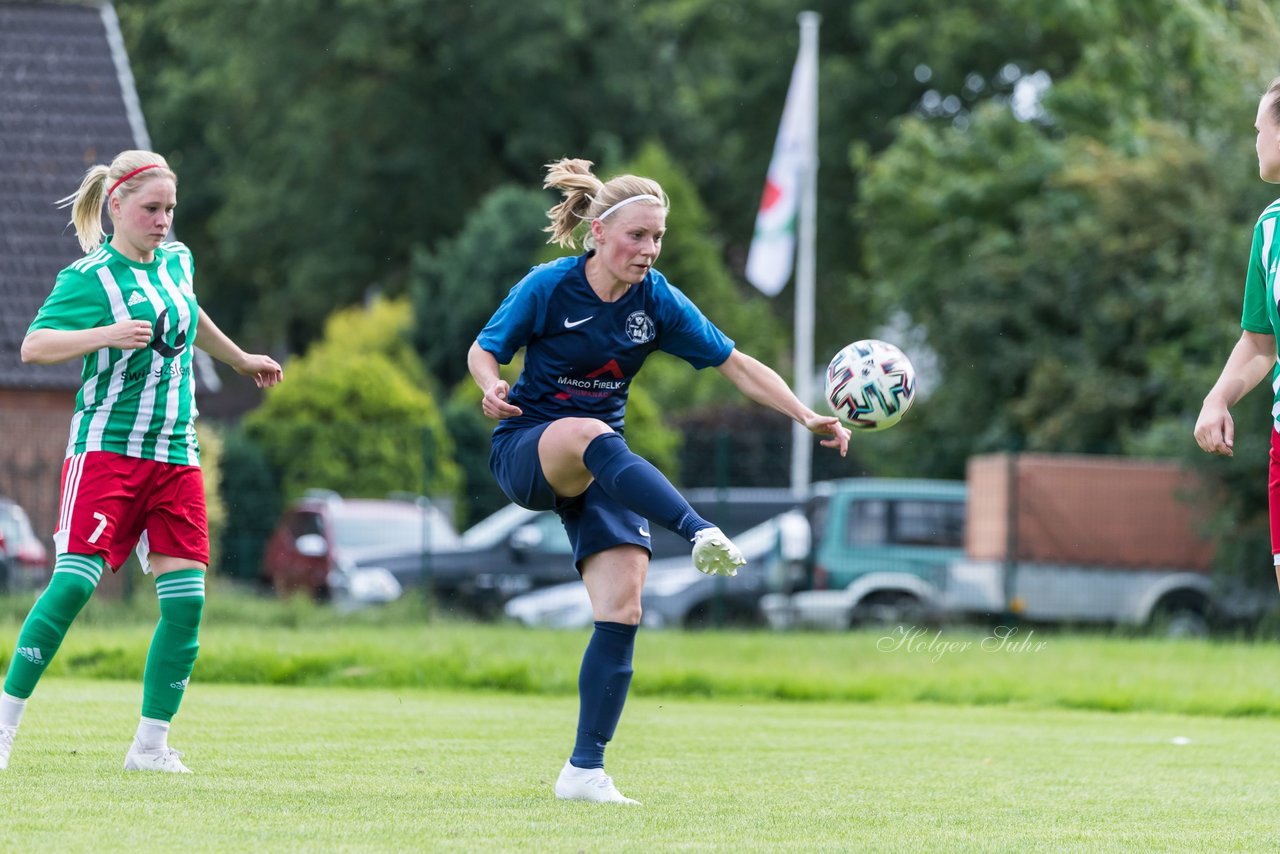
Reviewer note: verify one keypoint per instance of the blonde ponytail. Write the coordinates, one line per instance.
(579, 187)
(86, 207)
(586, 198)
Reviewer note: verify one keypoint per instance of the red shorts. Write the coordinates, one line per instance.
(1273, 495)
(112, 503)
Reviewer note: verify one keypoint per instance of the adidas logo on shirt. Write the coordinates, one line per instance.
(136, 298)
(32, 654)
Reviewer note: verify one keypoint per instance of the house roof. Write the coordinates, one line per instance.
(66, 102)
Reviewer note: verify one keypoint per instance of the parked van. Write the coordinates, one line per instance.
(879, 553)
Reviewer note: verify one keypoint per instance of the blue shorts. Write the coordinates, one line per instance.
(593, 520)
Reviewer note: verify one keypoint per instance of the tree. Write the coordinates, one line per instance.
(457, 286)
(1059, 261)
(250, 491)
(360, 421)
(318, 144)
(380, 326)
(324, 140)
(355, 424)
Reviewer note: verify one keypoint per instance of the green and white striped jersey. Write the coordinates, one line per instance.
(140, 403)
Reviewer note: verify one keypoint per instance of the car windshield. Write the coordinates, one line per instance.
(758, 541)
(406, 531)
(493, 529)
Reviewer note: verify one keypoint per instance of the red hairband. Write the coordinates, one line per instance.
(130, 175)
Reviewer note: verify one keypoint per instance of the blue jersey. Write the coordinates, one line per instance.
(581, 352)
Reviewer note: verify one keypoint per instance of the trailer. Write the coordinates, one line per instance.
(1085, 540)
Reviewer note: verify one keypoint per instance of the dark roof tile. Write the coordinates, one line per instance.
(61, 111)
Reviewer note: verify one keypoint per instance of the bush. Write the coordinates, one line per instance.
(251, 498)
(356, 424)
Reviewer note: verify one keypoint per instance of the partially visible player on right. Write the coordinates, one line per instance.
(1254, 355)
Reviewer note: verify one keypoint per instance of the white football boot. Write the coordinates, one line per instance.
(715, 554)
(588, 784)
(7, 734)
(164, 759)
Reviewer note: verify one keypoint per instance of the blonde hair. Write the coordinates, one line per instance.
(587, 197)
(87, 201)
(1275, 103)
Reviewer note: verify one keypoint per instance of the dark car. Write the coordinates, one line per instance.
(24, 558)
(324, 532)
(516, 550)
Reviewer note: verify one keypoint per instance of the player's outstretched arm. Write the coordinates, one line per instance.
(761, 383)
(265, 370)
(1251, 360)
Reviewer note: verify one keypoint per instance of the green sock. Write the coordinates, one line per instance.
(74, 579)
(174, 645)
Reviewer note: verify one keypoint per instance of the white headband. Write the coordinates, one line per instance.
(643, 197)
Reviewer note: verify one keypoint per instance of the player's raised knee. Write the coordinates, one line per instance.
(579, 432)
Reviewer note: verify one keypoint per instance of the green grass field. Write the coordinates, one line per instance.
(313, 732)
(332, 769)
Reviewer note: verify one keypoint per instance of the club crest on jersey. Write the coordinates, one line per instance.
(161, 332)
(640, 328)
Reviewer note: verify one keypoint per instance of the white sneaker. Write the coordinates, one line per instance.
(715, 554)
(7, 734)
(588, 784)
(164, 759)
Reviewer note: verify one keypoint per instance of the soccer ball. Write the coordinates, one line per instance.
(870, 385)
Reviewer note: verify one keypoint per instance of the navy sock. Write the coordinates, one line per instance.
(636, 484)
(602, 690)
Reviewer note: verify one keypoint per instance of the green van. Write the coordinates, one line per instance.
(878, 553)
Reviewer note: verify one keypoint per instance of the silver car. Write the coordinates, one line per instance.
(677, 595)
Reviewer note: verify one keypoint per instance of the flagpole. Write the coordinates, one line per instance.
(801, 438)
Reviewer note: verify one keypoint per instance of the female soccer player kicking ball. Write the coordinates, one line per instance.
(588, 322)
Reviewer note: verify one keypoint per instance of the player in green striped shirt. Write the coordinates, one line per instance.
(131, 479)
(1253, 358)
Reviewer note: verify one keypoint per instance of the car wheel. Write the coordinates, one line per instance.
(1180, 623)
(1183, 614)
(489, 608)
(887, 608)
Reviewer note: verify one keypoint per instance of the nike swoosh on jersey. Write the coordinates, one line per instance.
(569, 324)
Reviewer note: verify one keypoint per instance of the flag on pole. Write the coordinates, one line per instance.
(773, 246)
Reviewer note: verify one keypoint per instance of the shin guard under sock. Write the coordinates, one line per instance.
(636, 483)
(74, 579)
(175, 643)
(603, 682)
